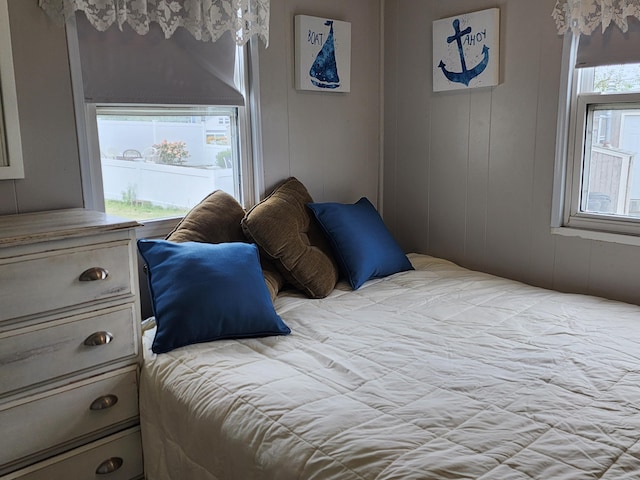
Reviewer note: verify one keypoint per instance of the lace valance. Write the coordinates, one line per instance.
(584, 16)
(207, 20)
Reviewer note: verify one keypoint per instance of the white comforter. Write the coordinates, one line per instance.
(439, 373)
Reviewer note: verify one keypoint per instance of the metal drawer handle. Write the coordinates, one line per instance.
(94, 273)
(104, 402)
(98, 338)
(110, 465)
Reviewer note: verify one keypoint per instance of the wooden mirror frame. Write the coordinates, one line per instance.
(11, 165)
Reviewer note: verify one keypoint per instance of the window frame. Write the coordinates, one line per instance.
(96, 110)
(574, 217)
(249, 135)
(572, 137)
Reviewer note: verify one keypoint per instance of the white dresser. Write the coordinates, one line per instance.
(69, 347)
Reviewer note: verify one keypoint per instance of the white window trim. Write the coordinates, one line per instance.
(250, 135)
(253, 99)
(565, 220)
(573, 217)
(596, 235)
(90, 171)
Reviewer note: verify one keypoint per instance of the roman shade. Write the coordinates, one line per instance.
(611, 47)
(124, 67)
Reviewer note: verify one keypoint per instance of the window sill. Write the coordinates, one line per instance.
(598, 236)
(156, 228)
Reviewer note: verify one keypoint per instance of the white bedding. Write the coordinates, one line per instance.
(437, 373)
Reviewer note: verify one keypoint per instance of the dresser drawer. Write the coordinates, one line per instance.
(42, 352)
(35, 424)
(44, 281)
(122, 450)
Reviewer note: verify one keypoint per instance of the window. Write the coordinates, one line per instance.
(159, 162)
(605, 183)
(165, 121)
(601, 157)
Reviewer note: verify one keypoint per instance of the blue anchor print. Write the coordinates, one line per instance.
(465, 76)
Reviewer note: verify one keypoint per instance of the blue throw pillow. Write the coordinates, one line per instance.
(202, 292)
(364, 247)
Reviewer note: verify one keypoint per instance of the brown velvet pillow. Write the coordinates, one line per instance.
(216, 219)
(285, 230)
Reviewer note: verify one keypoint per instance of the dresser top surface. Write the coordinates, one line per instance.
(25, 228)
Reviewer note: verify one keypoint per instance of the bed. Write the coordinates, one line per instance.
(368, 363)
(435, 373)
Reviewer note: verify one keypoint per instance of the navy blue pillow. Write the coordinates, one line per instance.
(202, 292)
(364, 247)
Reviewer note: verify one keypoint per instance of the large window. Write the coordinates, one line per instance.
(165, 122)
(159, 162)
(605, 182)
(602, 152)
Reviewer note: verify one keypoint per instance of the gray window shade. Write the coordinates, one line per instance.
(612, 47)
(124, 67)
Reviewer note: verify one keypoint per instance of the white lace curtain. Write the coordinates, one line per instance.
(584, 16)
(207, 20)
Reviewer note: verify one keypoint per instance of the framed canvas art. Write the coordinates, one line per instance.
(322, 54)
(466, 51)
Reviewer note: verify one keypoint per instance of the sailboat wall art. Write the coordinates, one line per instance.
(466, 51)
(322, 54)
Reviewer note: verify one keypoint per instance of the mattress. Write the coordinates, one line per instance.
(436, 373)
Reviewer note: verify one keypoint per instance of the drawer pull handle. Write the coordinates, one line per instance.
(94, 273)
(110, 465)
(104, 402)
(98, 338)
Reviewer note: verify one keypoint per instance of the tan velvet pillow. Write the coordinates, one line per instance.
(216, 219)
(286, 232)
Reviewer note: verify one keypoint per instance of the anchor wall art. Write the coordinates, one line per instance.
(466, 51)
(323, 54)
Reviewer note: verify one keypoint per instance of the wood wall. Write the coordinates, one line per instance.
(329, 141)
(468, 175)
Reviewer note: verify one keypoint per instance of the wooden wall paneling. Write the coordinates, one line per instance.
(477, 178)
(309, 154)
(448, 174)
(516, 191)
(571, 264)
(329, 141)
(276, 77)
(361, 132)
(8, 199)
(512, 145)
(415, 115)
(389, 209)
(47, 120)
(543, 244)
(614, 271)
